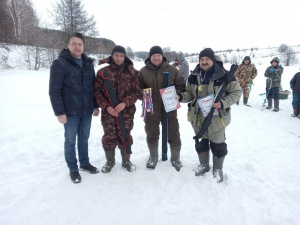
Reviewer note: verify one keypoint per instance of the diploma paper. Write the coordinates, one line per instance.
(168, 96)
(206, 103)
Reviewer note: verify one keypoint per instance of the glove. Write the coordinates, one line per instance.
(272, 70)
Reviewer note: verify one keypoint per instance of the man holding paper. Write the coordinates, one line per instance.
(151, 76)
(203, 84)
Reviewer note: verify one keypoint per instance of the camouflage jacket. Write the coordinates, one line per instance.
(124, 81)
(244, 73)
(151, 77)
(196, 89)
(274, 75)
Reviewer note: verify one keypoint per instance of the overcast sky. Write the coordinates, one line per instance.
(191, 25)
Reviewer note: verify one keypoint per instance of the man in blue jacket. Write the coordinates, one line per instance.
(71, 92)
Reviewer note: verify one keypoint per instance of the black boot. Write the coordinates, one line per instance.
(276, 105)
(246, 101)
(296, 111)
(269, 104)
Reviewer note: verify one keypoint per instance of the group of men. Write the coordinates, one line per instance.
(76, 93)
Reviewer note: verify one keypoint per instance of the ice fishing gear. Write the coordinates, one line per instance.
(228, 77)
(166, 81)
(114, 102)
(147, 102)
(265, 100)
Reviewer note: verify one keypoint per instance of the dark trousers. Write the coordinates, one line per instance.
(218, 149)
(273, 93)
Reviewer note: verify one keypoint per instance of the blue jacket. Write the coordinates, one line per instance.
(71, 87)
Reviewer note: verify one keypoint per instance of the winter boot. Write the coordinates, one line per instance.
(75, 177)
(110, 161)
(269, 104)
(238, 102)
(246, 101)
(217, 168)
(175, 159)
(126, 162)
(276, 105)
(89, 168)
(152, 161)
(296, 112)
(204, 164)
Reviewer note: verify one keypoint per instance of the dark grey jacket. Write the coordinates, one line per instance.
(295, 83)
(71, 87)
(184, 67)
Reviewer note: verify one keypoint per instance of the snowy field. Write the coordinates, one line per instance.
(261, 185)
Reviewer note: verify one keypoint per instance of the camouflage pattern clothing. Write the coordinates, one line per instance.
(274, 74)
(244, 74)
(125, 83)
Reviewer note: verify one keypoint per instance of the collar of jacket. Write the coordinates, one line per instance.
(218, 71)
(67, 55)
(149, 65)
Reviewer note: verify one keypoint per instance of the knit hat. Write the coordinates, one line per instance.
(155, 50)
(118, 48)
(247, 58)
(208, 52)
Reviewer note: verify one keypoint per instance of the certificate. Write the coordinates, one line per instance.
(205, 105)
(168, 96)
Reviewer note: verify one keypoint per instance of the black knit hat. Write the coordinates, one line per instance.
(247, 58)
(118, 48)
(155, 50)
(208, 52)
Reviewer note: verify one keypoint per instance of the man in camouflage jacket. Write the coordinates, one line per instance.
(151, 76)
(206, 79)
(273, 83)
(124, 81)
(245, 73)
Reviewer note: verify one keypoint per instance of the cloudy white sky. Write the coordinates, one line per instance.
(190, 25)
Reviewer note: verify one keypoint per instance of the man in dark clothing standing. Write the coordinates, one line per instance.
(72, 77)
(273, 73)
(151, 76)
(295, 86)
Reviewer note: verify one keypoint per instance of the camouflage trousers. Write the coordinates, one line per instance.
(112, 134)
(245, 89)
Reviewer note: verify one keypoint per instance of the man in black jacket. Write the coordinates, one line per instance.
(71, 83)
(295, 86)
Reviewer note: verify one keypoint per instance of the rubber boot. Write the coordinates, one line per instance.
(110, 161)
(175, 159)
(218, 168)
(296, 111)
(269, 104)
(246, 101)
(152, 161)
(276, 105)
(126, 163)
(204, 164)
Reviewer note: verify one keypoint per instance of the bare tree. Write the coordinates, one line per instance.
(22, 16)
(287, 53)
(70, 16)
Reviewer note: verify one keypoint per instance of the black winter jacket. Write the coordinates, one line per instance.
(295, 83)
(71, 88)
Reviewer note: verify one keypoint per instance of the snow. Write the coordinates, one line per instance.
(261, 183)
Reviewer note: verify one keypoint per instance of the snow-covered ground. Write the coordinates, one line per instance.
(261, 184)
